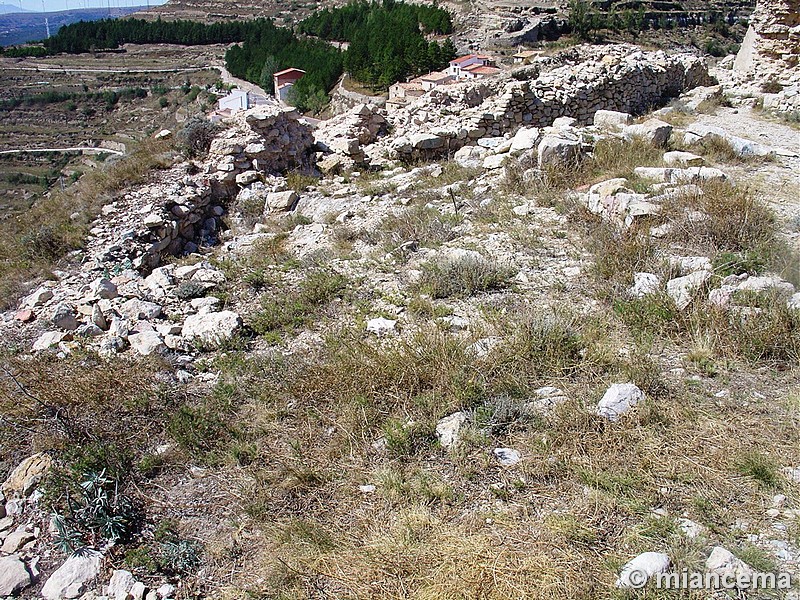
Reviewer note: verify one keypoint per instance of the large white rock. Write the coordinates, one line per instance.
(677, 158)
(121, 583)
(140, 310)
(645, 284)
(767, 284)
(447, 429)
(689, 264)
(636, 572)
(426, 141)
(619, 399)
(494, 161)
(48, 339)
(37, 298)
(557, 151)
(13, 576)
(682, 290)
(380, 326)
(72, 578)
(723, 563)
(146, 342)
(281, 201)
(26, 476)
(211, 329)
(507, 457)
(612, 119)
(525, 139)
(653, 131)
(469, 156)
(104, 289)
(743, 147)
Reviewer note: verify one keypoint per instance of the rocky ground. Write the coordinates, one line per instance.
(439, 353)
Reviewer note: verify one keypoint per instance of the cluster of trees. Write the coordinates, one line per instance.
(387, 40)
(268, 49)
(387, 44)
(112, 33)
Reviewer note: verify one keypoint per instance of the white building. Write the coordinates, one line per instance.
(458, 65)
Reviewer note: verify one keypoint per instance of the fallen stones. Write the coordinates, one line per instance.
(140, 310)
(104, 289)
(556, 151)
(425, 141)
(120, 584)
(636, 572)
(688, 175)
(612, 119)
(470, 156)
(653, 131)
(526, 138)
(211, 330)
(281, 201)
(683, 159)
(14, 577)
(617, 204)
(619, 399)
(49, 339)
(26, 476)
(645, 284)
(146, 342)
(16, 540)
(64, 316)
(682, 290)
(447, 429)
(73, 577)
(698, 133)
(723, 563)
(507, 457)
(37, 298)
(766, 284)
(381, 326)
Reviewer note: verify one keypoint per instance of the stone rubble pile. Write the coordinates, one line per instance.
(120, 297)
(345, 135)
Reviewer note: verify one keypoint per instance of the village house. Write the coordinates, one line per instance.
(404, 92)
(284, 80)
(458, 65)
(478, 71)
(238, 100)
(431, 80)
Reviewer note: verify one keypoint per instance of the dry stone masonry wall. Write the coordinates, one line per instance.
(619, 78)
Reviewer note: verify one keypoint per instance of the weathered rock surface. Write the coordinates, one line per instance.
(211, 329)
(26, 476)
(14, 577)
(73, 577)
(619, 399)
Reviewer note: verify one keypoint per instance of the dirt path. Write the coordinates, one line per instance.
(775, 182)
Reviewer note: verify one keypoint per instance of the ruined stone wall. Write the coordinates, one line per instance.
(634, 86)
(622, 79)
(770, 53)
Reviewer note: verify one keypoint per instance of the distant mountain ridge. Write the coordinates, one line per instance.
(11, 8)
(19, 28)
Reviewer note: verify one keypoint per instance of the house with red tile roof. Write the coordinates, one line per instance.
(457, 65)
(284, 80)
